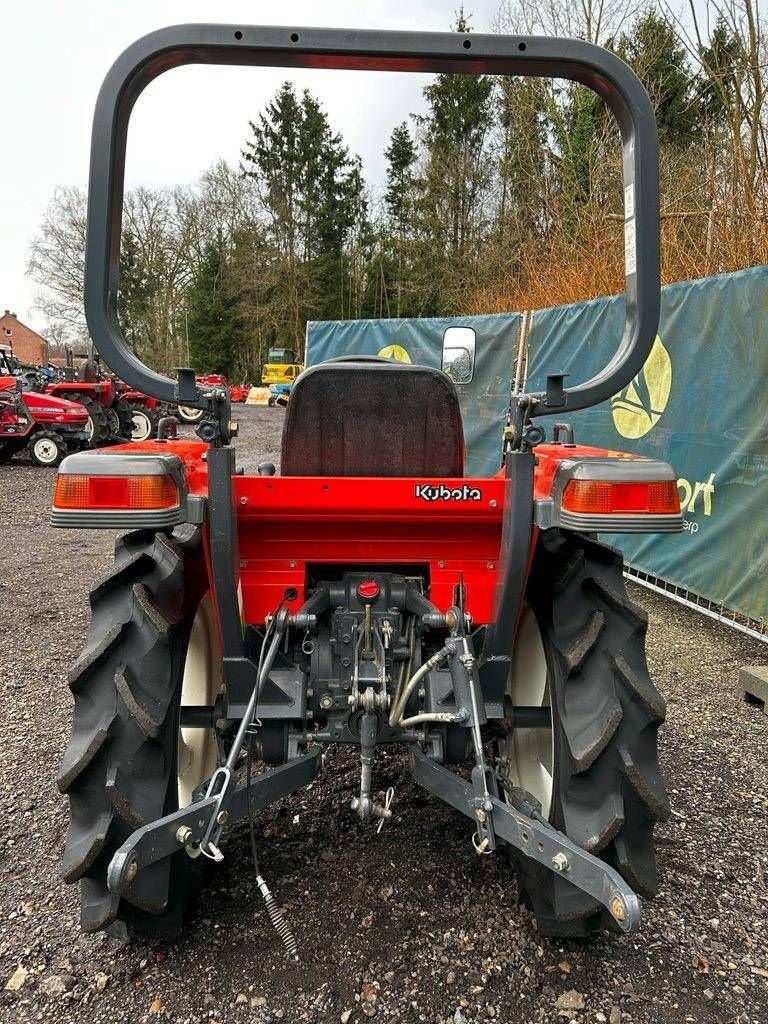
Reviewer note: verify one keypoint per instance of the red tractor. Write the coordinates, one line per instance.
(49, 428)
(109, 418)
(369, 594)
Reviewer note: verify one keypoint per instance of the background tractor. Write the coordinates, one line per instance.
(109, 418)
(368, 594)
(49, 428)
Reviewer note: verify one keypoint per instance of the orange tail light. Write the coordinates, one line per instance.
(142, 493)
(607, 497)
(118, 490)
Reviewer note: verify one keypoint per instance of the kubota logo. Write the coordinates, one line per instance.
(435, 492)
(638, 408)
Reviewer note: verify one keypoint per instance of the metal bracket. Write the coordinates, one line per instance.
(186, 828)
(537, 839)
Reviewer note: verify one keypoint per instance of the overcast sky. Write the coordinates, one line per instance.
(55, 55)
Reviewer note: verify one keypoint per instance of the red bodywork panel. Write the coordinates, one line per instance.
(45, 408)
(137, 397)
(101, 391)
(446, 526)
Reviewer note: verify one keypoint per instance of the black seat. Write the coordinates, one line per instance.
(365, 416)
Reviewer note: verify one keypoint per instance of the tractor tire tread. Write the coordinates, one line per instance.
(119, 768)
(608, 791)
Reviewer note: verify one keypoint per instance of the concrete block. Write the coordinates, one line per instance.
(753, 685)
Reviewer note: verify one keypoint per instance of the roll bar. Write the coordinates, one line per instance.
(443, 52)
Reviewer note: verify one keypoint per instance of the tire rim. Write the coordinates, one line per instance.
(89, 429)
(141, 425)
(201, 683)
(527, 755)
(191, 415)
(46, 450)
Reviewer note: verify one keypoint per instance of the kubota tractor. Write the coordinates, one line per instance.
(369, 593)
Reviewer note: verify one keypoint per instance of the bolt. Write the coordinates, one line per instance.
(242, 564)
(441, 565)
(184, 834)
(222, 817)
(480, 815)
(492, 503)
(243, 501)
(133, 870)
(490, 565)
(617, 909)
(326, 702)
(560, 862)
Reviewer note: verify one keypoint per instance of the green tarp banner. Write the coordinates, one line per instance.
(484, 401)
(701, 403)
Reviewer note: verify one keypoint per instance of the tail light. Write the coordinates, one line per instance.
(118, 491)
(613, 495)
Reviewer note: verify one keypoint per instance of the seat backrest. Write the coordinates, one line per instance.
(364, 416)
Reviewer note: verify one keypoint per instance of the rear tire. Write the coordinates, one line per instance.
(124, 419)
(144, 422)
(46, 448)
(120, 769)
(97, 427)
(607, 791)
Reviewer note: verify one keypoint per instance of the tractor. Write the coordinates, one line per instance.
(49, 428)
(109, 418)
(369, 593)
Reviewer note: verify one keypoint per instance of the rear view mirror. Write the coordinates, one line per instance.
(459, 354)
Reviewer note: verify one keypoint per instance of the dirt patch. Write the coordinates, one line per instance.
(408, 925)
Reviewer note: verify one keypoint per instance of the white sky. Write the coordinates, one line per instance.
(55, 55)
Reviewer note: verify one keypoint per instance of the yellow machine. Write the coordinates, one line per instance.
(282, 367)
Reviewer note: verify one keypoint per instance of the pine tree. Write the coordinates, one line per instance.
(313, 197)
(656, 55)
(451, 208)
(211, 319)
(401, 158)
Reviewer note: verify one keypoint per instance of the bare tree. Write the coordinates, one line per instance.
(55, 262)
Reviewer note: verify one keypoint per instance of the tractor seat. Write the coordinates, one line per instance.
(366, 416)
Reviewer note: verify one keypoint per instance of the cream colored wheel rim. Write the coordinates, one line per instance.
(141, 425)
(527, 755)
(191, 415)
(201, 684)
(46, 450)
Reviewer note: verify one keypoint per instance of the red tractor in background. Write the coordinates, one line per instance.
(109, 418)
(49, 427)
(369, 593)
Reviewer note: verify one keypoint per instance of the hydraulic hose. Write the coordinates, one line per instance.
(450, 717)
(398, 708)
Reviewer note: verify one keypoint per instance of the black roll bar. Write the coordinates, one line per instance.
(443, 52)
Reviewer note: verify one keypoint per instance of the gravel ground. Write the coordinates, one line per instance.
(406, 925)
